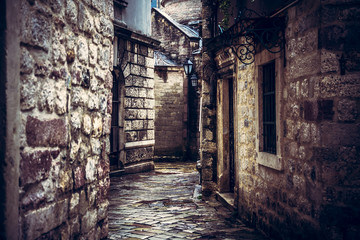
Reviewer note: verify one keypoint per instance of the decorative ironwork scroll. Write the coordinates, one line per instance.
(250, 30)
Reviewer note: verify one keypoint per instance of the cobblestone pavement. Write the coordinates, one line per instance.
(160, 205)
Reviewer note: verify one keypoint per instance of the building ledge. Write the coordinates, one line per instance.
(122, 31)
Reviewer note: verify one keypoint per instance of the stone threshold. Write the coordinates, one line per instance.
(227, 200)
(134, 168)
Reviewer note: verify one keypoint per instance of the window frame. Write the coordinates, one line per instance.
(263, 158)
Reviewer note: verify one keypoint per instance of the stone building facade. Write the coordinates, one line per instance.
(177, 103)
(133, 122)
(304, 184)
(58, 76)
(170, 111)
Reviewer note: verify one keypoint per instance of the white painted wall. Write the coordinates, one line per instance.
(137, 16)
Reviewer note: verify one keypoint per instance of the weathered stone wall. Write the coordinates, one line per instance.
(174, 43)
(208, 144)
(136, 59)
(314, 194)
(176, 10)
(66, 59)
(171, 111)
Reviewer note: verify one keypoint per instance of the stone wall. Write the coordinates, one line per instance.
(176, 9)
(208, 144)
(171, 112)
(136, 61)
(66, 59)
(176, 45)
(313, 193)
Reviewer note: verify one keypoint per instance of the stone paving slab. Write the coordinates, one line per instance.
(160, 205)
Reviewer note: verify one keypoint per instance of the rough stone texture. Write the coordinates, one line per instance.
(313, 195)
(170, 111)
(166, 32)
(64, 108)
(138, 98)
(46, 133)
(176, 9)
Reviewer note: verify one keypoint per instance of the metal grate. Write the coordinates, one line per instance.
(269, 109)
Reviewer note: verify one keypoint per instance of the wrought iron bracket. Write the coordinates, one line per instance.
(250, 31)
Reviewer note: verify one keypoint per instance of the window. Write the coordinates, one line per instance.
(269, 77)
(269, 109)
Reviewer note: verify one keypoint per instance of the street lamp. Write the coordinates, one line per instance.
(188, 65)
(194, 80)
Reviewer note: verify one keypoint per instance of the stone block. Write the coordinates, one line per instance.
(149, 62)
(99, 5)
(135, 69)
(109, 103)
(79, 177)
(83, 50)
(333, 134)
(90, 169)
(85, 20)
(28, 92)
(93, 101)
(131, 92)
(131, 136)
(35, 29)
(150, 93)
(95, 146)
(310, 111)
(325, 109)
(131, 114)
(71, 12)
(47, 96)
(108, 80)
(137, 124)
(42, 220)
(103, 210)
(347, 111)
(104, 186)
(142, 92)
(150, 114)
(136, 155)
(36, 166)
(93, 54)
(107, 125)
(305, 135)
(103, 102)
(150, 134)
(74, 203)
(137, 103)
(149, 103)
(27, 62)
(143, 50)
(79, 97)
(104, 57)
(43, 133)
(329, 62)
(88, 221)
(104, 166)
(138, 81)
(87, 124)
(97, 129)
(141, 114)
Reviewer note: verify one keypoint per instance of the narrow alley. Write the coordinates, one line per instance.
(162, 205)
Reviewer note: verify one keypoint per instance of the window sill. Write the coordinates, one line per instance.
(269, 160)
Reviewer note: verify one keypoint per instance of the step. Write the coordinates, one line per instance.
(227, 200)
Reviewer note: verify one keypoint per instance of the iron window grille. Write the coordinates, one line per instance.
(269, 108)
